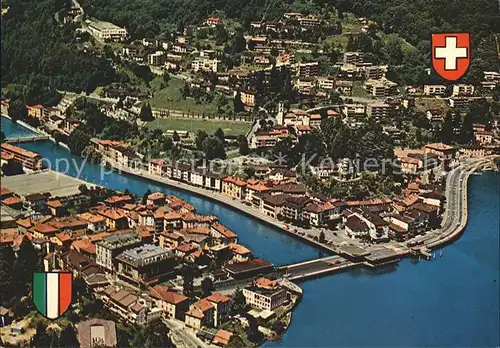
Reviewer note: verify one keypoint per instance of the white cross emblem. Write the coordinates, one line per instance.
(451, 53)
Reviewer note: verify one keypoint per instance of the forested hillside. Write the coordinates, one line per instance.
(40, 56)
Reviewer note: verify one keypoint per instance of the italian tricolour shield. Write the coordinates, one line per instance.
(451, 54)
(52, 293)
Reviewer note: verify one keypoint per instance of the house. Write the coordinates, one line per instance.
(13, 202)
(234, 187)
(221, 307)
(125, 304)
(156, 199)
(223, 233)
(157, 58)
(117, 201)
(96, 223)
(463, 89)
(200, 314)
(213, 21)
(324, 170)
(157, 166)
(356, 227)
(293, 207)
(247, 269)
(56, 208)
(173, 304)
(248, 98)
(96, 333)
(434, 89)
(111, 246)
(240, 252)
(205, 65)
(269, 204)
(115, 218)
(253, 189)
(380, 88)
(222, 337)
(443, 151)
(484, 138)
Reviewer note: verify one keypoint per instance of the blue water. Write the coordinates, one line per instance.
(262, 239)
(452, 301)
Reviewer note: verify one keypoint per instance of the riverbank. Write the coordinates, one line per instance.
(450, 302)
(37, 131)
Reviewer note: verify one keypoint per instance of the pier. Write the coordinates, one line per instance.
(27, 139)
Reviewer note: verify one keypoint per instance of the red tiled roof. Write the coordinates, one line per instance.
(163, 293)
(217, 297)
(54, 204)
(203, 305)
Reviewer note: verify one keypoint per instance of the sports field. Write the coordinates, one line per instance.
(193, 125)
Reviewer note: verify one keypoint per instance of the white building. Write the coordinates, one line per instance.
(107, 31)
(208, 65)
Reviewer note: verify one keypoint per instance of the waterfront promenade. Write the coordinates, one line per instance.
(454, 219)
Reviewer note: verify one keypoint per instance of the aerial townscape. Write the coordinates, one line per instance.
(228, 174)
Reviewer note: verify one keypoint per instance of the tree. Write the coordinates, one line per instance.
(168, 144)
(467, 130)
(238, 42)
(243, 146)
(207, 286)
(27, 263)
(43, 338)
(253, 333)
(78, 140)
(67, 338)
(447, 132)
(176, 137)
(219, 133)
(213, 148)
(322, 237)
(237, 103)
(200, 137)
(7, 259)
(188, 277)
(12, 168)
(145, 196)
(146, 114)
(166, 77)
(17, 110)
(238, 303)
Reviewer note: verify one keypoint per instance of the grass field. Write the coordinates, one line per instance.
(171, 98)
(193, 125)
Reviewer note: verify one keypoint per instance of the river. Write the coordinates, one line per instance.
(451, 301)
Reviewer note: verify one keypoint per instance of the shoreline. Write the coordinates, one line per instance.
(250, 211)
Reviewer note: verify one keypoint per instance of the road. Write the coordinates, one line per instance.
(182, 336)
(455, 215)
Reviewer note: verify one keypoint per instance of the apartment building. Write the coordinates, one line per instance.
(378, 110)
(30, 160)
(380, 88)
(111, 246)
